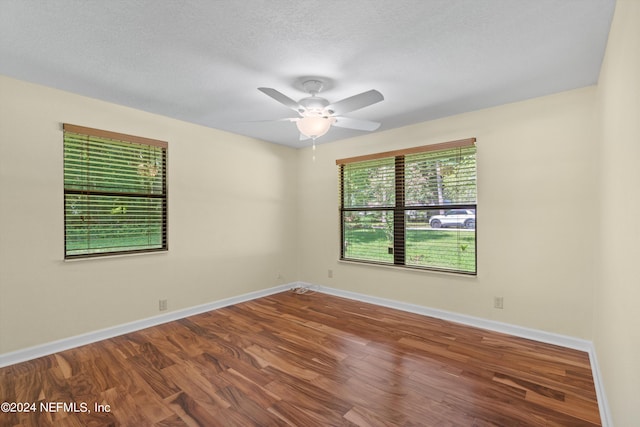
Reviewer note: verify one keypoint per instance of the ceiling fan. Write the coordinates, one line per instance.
(317, 115)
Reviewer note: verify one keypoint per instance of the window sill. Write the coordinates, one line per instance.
(109, 256)
(407, 268)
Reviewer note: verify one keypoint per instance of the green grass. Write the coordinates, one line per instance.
(369, 244)
(449, 249)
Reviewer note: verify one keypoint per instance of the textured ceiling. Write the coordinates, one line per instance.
(202, 60)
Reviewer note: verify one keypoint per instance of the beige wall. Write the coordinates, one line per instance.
(617, 325)
(232, 201)
(537, 216)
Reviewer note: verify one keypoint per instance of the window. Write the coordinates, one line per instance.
(115, 193)
(413, 208)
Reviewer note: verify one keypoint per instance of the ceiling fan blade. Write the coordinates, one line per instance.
(281, 98)
(357, 124)
(286, 119)
(355, 102)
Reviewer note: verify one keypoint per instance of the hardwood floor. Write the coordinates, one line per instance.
(305, 360)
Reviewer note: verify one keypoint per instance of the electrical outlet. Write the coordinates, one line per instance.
(162, 305)
(498, 302)
(330, 273)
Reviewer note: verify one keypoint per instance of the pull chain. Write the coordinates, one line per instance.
(313, 149)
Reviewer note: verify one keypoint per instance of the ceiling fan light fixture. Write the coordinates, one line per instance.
(314, 126)
(317, 114)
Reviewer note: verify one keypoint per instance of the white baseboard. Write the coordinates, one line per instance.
(603, 403)
(533, 334)
(492, 325)
(79, 340)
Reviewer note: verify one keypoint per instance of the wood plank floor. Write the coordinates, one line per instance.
(306, 360)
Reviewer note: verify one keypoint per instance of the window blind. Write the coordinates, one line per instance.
(369, 184)
(115, 193)
(441, 178)
(368, 198)
(413, 208)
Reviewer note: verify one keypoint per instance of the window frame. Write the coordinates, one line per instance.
(401, 209)
(117, 139)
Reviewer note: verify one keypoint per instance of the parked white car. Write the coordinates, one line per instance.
(454, 218)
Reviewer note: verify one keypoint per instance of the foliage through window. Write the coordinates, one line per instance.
(413, 208)
(115, 193)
